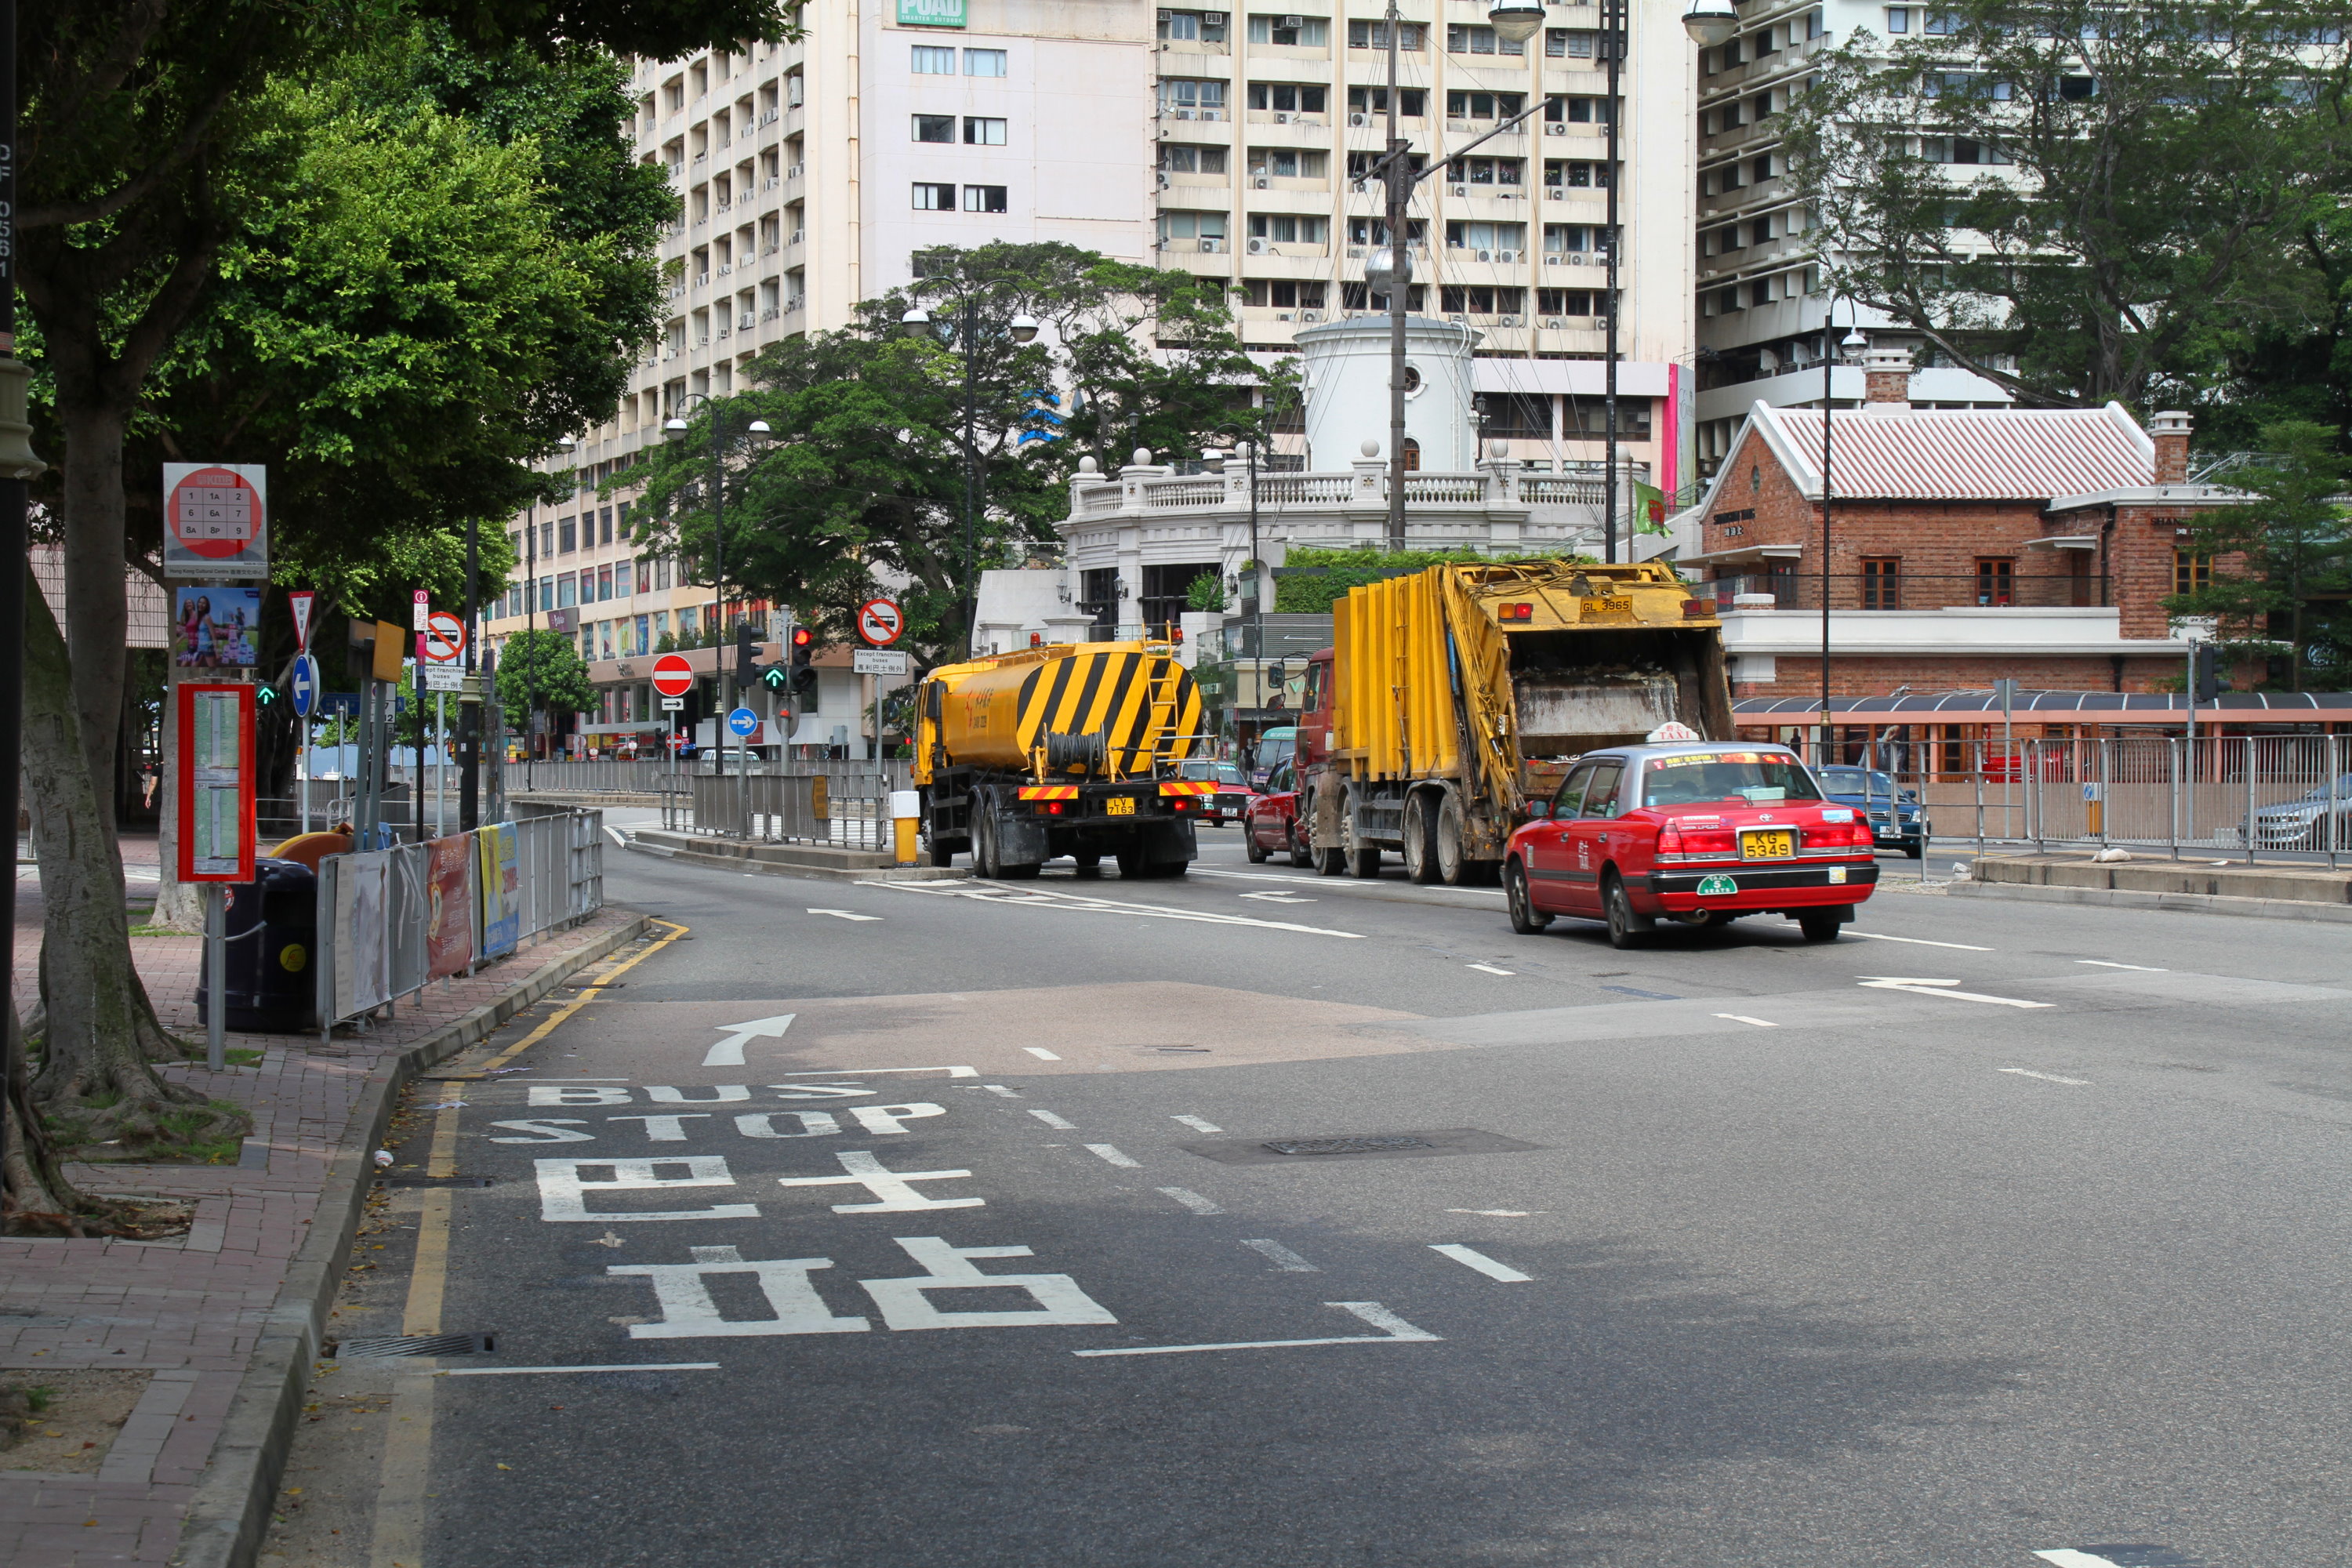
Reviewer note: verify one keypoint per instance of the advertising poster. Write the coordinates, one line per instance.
(501, 881)
(448, 911)
(218, 628)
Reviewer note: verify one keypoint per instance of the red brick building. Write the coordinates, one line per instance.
(1965, 545)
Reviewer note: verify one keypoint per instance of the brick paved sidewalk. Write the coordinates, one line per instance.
(191, 1309)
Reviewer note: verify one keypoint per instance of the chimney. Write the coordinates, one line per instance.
(1886, 379)
(2169, 430)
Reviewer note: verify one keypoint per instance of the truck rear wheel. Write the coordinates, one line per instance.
(1420, 840)
(1446, 842)
(983, 844)
(1362, 859)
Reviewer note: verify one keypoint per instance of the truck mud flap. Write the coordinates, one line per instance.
(1021, 840)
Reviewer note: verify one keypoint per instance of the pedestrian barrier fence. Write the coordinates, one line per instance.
(847, 810)
(392, 921)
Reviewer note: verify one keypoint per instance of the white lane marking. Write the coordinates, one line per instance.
(1110, 1154)
(2105, 964)
(1041, 1053)
(1393, 1331)
(514, 1370)
(869, 1072)
(1053, 1122)
(1917, 941)
(2046, 1077)
(1279, 897)
(1282, 1258)
(845, 915)
(1501, 1214)
(729, 1052)
(1490, 969)
(1000, 1089)
(1939, 988)
(1744, 1019)
(2067, 1557)
(1333, 885)
(615, 835)
(1083, 905)
(1196, 1124)
(1480, 1261)
(1192, 1200)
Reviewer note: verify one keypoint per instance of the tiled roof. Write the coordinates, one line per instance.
(1962, 454)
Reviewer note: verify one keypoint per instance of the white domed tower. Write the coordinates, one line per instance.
(1346, 366)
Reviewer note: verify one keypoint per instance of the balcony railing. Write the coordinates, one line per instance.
(1905, 591)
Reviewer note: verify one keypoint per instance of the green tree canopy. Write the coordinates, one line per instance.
(1312, 579)
(542, 672)
(2282, 574)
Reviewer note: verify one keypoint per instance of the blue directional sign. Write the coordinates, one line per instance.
(744, 721)
(305, 685)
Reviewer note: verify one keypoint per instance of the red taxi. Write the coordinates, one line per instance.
(1270, 826)
(1698, 833)
(1231, 802)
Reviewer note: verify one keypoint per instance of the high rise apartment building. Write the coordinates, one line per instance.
(1760, 301)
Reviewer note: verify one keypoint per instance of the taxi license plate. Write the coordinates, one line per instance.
(1767, 844)
(1120, 805)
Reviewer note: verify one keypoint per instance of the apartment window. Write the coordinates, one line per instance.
(1575, 111)
(1996, 580)
(547, 537)
(1761, 169)
(928, 62)
(1375, 231)
(1484, 105)
(1191, 225)
(1285, 164)
(567, 591)
(934, 196)
(1185, 95)
(1285, 98)
(1291, 32)
(1898, 18)
(1960, 150)
(984, 62)
(1564, 302)
(1760, 107)
(1463, 236)
(566, 537)
(603, 582)
(1562, 238)
(981, 132)
(1568, 43)
(1487, 171)
(621, 579)
(547, 592)
(1362, 297)
(1760, 291)
(1412, 37)
(983, 198)
(1182, 159)
(1813, 28)
(1193, 26)
(1575, 174)
(2191, 571)
(1942, 24)
(1724, 302)
(1359, 164)
(1280, 295)
(1412, 102)
(1882, 582)
(1479, 299)
(1284, 229)
(1590, 416)
(934, 128)
(1462, 39)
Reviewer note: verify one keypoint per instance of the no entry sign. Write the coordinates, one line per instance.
(879, 621)
(216, 522)
(673, 677)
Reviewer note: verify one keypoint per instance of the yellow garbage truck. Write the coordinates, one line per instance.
(1452, 696)
(1067, 750)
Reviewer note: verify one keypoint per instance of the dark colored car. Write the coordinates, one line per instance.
(2305, 823)
(1234, 793)
(1271, 827)
(1698, 833)
(1898, 820)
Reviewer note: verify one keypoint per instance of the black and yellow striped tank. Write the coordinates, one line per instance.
(1097, 711)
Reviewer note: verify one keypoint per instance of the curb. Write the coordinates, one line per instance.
(815, 873)
(2202, 903)
(229, 1513)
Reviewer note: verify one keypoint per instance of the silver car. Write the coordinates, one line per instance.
(2306, 822)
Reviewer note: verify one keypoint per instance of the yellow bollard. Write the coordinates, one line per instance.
(905, 841)
(905, 812)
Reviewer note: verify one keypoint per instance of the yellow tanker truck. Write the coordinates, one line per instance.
(1069, 750)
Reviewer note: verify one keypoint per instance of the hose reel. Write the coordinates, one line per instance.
(1068, 754)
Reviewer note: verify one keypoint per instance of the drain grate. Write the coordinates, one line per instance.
(1344, 1145)
(432, 1181)
(411, 1344)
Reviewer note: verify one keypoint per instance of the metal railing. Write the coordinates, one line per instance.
(848, 809)
(1915, 591)
(611, 775)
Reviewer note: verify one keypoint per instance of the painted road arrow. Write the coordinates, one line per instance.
(729, 1052)
(1940, 988)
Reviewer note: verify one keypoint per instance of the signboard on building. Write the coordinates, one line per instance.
(216, 520)
(931, 12)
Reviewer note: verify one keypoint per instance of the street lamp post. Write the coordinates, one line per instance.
(1707, 22)
(1853, 340)
(965, 329)
(674, 429)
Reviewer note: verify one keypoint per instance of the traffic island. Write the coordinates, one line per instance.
(2283, 891)
(829, 861)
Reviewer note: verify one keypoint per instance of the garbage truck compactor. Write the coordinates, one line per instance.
(1069, 750)
(1451, 698)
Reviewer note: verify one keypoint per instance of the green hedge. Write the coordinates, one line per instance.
(1334, 571)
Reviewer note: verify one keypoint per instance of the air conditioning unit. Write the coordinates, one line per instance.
(1213, 247)
(770, 248)
(702, 279)
(794, 171)
(747, 322)
(1183, 114)
(1262, 183)
(796, 236)
(1310, 316)
(1553, 323)
(1577, 259)
(1556, 128)
(1461, 190)
(1213, 18)
(1553, 258)
(1485, 255)
(1459, 321)
(1513, 321)
(1212, 114)
(1281, 119)
(1507, 258)
(725, 267)
(1261, 248)
(1359, 121)
(1282, 315)
(1355, 252)
(1294, 22)
(1163, 181)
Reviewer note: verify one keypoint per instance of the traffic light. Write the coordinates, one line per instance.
(747, 653)
(267, 695)
(800, 648)
(2204, 673)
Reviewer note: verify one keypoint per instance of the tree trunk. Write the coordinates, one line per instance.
(95, 1075)
(36, 1199)
(98, 614)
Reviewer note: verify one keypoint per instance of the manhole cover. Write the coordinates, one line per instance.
(1345, 1146)
(411, 1344)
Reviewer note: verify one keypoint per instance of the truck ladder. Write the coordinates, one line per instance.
(1166, 744)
